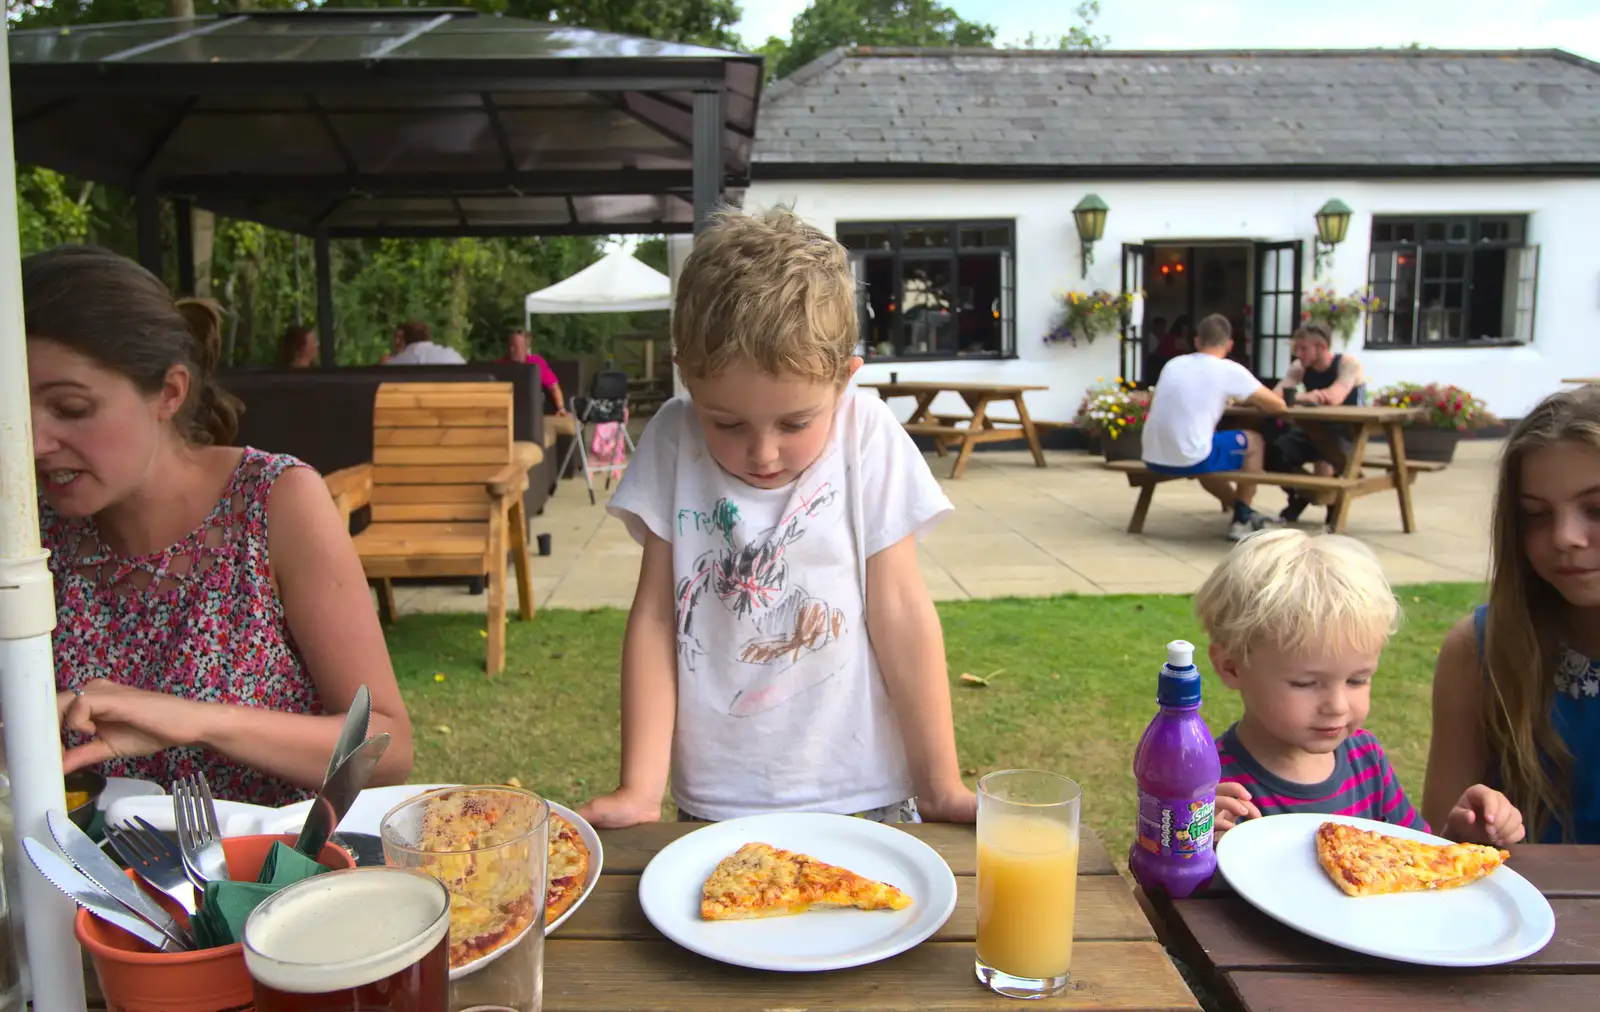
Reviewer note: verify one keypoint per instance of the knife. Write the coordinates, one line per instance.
(339, 793)
(86, 895)
(354, 731)
(95, 866)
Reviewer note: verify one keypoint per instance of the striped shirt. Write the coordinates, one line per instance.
(1363, 783)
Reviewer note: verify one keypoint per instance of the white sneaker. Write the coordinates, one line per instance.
(1241, 529)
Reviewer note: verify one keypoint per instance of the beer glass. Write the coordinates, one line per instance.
(491, 846)
(1027, 881)
(356, 940)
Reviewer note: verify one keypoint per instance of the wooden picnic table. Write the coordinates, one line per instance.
(608, 958)
(1323, 425)
(1255, 964)
(946, 430)
(1585, 381)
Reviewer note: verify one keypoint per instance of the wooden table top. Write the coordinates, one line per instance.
(1583, 380)
(954, 386)
(1257, 964)
(1339, 413)
(608, 957)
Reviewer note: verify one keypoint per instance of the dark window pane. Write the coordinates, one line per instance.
(979, 324)
(853, 239)
(1382, 231)
(1459, 232)
(1405, 231)
(926, 237)
(1433, 231)
(929, 310)
(1490, 230)
(999, 236)
(1487, 311)
(878, 274)
(972, 237)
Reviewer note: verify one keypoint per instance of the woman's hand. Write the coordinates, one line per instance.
(1484, 815)
(1233, 807)
(124, 722)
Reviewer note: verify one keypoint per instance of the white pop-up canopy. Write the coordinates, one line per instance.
(618, 282)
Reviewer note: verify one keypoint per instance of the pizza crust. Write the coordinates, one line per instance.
(760, 880)
(1364, 863)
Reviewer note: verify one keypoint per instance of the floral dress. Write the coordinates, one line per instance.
(200, 620)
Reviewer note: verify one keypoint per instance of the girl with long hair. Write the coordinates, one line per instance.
(1516, 694)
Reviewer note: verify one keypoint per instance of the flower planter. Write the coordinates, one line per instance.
(1431, 444)
(1128, 446)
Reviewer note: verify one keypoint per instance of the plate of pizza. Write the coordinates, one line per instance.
(797, 892)
(1387, 891)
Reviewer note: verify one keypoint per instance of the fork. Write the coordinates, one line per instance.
(156, 858)
(199, 835)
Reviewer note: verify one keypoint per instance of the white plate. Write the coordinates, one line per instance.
(118, 788)
(669, 892)
(1272, 863)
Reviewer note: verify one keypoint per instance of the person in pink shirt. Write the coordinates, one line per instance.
(517, 351)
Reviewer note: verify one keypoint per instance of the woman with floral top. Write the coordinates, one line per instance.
(212, 615)
(1516, 696)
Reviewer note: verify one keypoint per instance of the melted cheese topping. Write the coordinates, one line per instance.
(760, 880)
(1365, 863)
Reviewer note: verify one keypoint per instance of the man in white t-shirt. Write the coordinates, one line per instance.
(1180, 433)
(413, 345)
(782, 652)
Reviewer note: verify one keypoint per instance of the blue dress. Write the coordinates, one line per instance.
(1575, 715)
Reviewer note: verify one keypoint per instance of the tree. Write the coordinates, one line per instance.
(827, 24)
(1079, 36)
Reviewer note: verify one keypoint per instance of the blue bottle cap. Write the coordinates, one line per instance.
(1180, 679)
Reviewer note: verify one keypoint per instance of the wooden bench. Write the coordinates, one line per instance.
(1146, 480)
(445, 489)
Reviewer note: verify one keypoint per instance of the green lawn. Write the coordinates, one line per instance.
(1075, 687)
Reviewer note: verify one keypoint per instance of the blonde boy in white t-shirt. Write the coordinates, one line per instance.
(782, 652)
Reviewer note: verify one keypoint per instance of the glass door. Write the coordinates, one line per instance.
(1277, 308)
(1132, 348)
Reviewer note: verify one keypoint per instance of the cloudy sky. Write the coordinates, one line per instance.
(1573, 25)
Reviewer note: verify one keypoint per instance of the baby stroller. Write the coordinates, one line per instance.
(601, 441)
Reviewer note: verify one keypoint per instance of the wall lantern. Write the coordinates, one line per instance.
(1090, 215)
(1333, 221)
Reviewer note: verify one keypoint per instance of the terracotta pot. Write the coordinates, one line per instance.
(1427, 443)
(135, 979)
(1128, 446)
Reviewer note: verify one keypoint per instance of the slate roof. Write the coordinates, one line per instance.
(1007, 113)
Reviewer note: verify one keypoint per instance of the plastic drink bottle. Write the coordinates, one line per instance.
(1177, 769)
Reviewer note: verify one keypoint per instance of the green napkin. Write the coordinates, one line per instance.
(226, 905)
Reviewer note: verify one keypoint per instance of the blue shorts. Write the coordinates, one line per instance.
(1227, 454)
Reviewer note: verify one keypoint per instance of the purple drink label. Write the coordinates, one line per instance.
(1177, 827)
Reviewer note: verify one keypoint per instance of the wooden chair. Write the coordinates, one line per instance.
(445, 486)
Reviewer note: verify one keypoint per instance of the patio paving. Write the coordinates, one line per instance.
(1024, 531)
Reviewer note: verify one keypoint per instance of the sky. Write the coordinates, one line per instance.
(1573, 25)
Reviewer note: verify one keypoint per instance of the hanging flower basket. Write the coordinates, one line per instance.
(1086, 315)
(1341, 314)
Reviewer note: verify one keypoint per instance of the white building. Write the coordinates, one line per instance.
(1473, 177)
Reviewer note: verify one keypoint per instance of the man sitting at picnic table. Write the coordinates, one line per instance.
(1181, 436)
(1320, 377)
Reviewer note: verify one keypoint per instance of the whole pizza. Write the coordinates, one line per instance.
(476, 843)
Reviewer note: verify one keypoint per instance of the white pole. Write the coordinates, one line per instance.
(27, 615)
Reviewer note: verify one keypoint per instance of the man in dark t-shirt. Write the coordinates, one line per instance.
(1320, 377)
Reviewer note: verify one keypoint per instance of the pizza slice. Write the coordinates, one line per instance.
(569, 867)
(759, 880)
(1365, 863)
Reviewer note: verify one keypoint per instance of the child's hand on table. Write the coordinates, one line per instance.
(1484, 815)
(958, 804)
(1233, 807)
(620, 809)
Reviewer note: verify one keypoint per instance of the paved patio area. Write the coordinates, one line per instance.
(1024, 531)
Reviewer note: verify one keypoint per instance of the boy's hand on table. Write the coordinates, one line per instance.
(1233, 807)
(620, 809)
(1484, 815)
(957, 804)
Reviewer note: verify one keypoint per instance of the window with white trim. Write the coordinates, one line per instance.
(1451, 281)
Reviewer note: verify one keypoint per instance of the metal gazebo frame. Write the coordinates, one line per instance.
(365, 123)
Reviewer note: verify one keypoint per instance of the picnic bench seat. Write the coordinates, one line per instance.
(1145, 480)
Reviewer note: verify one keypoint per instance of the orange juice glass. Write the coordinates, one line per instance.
(1027, 881)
